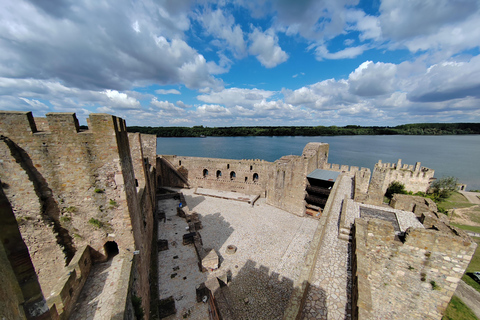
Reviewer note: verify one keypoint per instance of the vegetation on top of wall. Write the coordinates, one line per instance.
(395, 187)
(406, 129)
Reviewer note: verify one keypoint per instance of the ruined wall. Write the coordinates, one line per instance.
(72, 188)
(246, 176)
(415, 204)
(411, 280)
(170, 175)
(288, 179)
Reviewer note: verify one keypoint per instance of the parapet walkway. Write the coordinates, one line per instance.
(329, 294)
(97, 298)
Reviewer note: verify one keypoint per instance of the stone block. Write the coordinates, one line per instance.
(210, 262)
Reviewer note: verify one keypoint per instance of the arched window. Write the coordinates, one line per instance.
(251, 167)
(255, 177)
(219, 174)
(233, 175)
(179, 162)
(228, 166)
(246, 179)
(205, 173)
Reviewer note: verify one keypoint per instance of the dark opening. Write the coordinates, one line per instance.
(111, 249)
(136, 183)
(205, 173)
(179, 162)
(246, 179)
(219, 173)
(255, 177)
(251, 167)
(232, 175)
(228, 166)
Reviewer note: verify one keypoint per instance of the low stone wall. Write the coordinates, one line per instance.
(68, 288)
(301, 285)
(361, 290)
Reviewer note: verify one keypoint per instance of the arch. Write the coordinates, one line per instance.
(233, 175)
(251, 168)
(255, 177)
(111, 249)
(219, 174)
(179, 162)
(228, 166)
(205, 173)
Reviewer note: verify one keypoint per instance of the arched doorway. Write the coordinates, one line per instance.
(111, 249)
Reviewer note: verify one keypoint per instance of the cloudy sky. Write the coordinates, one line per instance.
(230, 63)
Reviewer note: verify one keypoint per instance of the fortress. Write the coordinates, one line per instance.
(71, 199)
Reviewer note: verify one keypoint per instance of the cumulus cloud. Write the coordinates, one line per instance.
(264, 45)
(447, 81)
(372, 79)
(169, 91)
(87, 48)
(236, 96)
(222, 26)
(119, 100)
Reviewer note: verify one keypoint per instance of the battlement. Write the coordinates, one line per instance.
(343, 168)
(399, 166)
(22, 124)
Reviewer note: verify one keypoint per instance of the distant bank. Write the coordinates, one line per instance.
(405, 129)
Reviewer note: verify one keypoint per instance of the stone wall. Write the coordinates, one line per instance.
(414, 279)
(288, 179)
(71, 188)
(245, 176)
(415, 204)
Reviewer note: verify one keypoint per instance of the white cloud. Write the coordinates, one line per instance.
(223, 27)
(264, 45)
(236, 96)
(119, 100)
(83, 46)
(169, 91)
(373, 79)
(322, 52)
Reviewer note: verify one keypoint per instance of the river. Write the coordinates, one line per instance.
(455, 155)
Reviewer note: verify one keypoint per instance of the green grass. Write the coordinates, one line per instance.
(456, 200)
(473, 266)
(465, 227)
(96, 223)
(457, 310)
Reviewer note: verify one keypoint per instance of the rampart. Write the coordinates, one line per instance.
(72, 188)
(405, 280)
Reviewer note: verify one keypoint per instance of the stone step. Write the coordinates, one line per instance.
(344, 237)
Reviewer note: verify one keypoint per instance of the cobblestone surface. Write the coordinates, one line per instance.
(329, 295)
(97, 297)
(271, 244)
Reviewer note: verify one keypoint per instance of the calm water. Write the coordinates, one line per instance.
(448, 155)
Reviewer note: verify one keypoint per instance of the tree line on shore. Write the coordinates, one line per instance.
(405, 129)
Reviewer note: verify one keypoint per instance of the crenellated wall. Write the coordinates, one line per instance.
(71, 188)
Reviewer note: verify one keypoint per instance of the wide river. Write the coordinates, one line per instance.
(457, 156)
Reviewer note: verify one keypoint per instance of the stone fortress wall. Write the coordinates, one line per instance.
(72, 188)
(282, 182)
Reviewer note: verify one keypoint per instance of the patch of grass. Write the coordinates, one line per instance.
(76, 235)
(457, 310)
(473, 266)
(434, 285)
(466, 227)
(96, 223)
(456, 200)
(98, 190)
(137, 307)
(113, 203)
(70, 209)
(23, 219)
(65, 219)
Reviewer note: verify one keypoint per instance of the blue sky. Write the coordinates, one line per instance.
(232, 63)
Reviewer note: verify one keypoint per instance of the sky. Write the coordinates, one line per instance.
(243, 63)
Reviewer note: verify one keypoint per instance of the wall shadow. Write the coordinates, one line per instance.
(254, 292)
(87, 302)
(193, 201)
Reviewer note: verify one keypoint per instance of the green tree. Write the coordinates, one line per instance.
(393, 188)
(443, 188)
